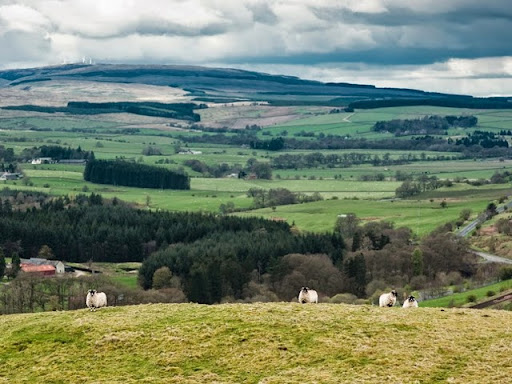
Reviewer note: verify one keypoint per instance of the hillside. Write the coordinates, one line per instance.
(251, 343)
(213, 84)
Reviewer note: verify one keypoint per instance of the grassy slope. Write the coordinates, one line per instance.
(258, 343)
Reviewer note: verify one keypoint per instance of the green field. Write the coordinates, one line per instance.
(369, 200)
(422, 216)
(340, 187)
(460, 299)
(257, 343)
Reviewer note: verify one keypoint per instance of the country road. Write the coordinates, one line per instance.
(463, 232)
(492, 258)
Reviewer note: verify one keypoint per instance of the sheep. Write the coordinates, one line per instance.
(95, 299)
(387, 299)
(411, 302)
(307, 295)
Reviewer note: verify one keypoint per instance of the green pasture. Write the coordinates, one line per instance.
(460, 299)
(422, 216)
(360, 122)
(341, 196)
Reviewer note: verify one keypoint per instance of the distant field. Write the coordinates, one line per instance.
(422, 216)
(108, 140)
(460, 299)
(341, 196)
(360, 122)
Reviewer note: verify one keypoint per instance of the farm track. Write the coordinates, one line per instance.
(503, 298)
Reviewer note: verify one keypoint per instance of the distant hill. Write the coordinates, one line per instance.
(229, 85)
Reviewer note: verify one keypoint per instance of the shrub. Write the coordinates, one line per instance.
(471, 299)
(506, 273)
(343, 298)
(490, 293)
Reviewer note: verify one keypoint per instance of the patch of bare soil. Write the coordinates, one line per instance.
(59, 92)
(239, 116)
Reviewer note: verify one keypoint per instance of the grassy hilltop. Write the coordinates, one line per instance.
(257, 343)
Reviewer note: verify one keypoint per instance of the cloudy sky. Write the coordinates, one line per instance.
(453, 46)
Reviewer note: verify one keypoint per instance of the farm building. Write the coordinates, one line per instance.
(57, 264)
(10, 176)
(42, 160)
(44, 270)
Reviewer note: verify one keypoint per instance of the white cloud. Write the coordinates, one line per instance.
(478, 77)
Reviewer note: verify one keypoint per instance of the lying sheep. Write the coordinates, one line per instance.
(411, 302)
(95, 299)
(307, 295)
(387, 299)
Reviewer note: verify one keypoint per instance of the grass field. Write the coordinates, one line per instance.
(459, 299)
(257, 343)
(341, 196)
(422, 216)
(207, 194)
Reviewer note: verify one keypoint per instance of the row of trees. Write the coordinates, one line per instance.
(482, 138)
(260, 170)
(56, 152)
(417, 143)
(130, 174)
(279, 196)
(431, 125)
(343, 160)
(422, 183)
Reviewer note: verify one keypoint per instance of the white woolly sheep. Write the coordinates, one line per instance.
(411, 302)
(307, 295)
(95, 299)
(387, 299)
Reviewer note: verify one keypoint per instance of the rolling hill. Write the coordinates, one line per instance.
(218, 84)
(257, 343)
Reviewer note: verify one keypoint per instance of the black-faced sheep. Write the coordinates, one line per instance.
(411, 302)
(95, 299)
(307, 295)
(387, 299)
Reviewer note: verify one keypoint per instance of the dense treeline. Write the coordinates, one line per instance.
(483, 139)
(134, 175)
(89, 229)
(209, 259)
(454, 102)
(6, 154)
(56, 153)
(223, 263)
(274, 144)
(428, 125)
(181, 111)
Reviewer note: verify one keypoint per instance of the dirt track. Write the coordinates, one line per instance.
(503, 298)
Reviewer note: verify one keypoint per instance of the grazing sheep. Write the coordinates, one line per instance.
(95, 299)
(387, 299)
(307, 295)
(411, 302)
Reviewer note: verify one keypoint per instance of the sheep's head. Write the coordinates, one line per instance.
(393, 292)
(411, 298)
(304, 289)
(92, 291)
